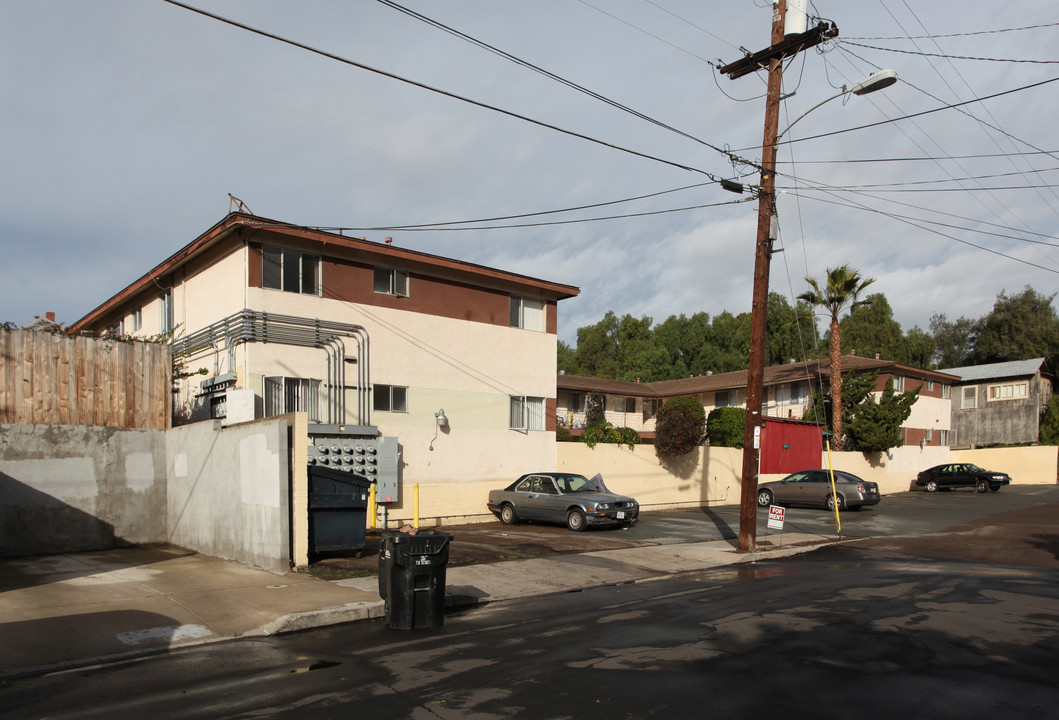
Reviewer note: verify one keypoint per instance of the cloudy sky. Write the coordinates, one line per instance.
(127, 123)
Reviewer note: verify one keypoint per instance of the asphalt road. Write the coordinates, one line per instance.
(879, 628)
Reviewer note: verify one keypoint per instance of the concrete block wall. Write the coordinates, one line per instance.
(74, 488)
(228, 492)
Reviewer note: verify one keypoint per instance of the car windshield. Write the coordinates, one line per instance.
(975, 468)
(574, 483)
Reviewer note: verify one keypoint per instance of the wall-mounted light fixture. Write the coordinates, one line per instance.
(440, 421)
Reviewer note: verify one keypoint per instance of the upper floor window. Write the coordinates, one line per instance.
(650, 408)
(796, 393)
(899, 383)
(625, 404)
(944, 392)
(165, 311)
(970, 397)
(290, 270)
(930, 386)
(729, 398)
(136, 319)
(1008, 391)
(391, 282)
(390, 398)
(576, 402)
(527, 313)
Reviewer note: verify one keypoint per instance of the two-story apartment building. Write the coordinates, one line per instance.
(1000, 403)
(787, 393)
(455, 360)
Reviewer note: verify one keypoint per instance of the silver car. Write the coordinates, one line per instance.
(561, 498)
(812, 488)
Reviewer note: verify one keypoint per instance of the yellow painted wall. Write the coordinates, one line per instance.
(1026, 465)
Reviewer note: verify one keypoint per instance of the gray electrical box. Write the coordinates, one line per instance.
(374, 458)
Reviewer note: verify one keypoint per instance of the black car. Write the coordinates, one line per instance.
(954, 475)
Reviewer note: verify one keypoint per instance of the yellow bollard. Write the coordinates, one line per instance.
(834, 494)
(371, 507)
(415, 517)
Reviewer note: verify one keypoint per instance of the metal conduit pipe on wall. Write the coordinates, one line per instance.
(252, 326)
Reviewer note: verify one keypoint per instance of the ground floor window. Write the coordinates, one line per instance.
(527, 413)
(390, 398)
(287, 394)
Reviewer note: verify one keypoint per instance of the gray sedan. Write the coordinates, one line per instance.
(812, 488)
(562, 498)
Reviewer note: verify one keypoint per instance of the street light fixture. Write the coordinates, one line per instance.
(762, 256)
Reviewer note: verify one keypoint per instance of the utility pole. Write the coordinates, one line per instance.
(772, 57)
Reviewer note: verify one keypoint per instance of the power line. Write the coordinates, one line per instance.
(950, 57)
(526, 64)
(535, 214)
(446, 93)
(964, 34)
(442, 228)
(919, 159)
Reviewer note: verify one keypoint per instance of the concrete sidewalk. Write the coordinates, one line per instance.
(65, 611)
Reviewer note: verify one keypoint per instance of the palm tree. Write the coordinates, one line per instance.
(843, 288)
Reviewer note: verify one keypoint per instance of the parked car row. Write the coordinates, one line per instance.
(579, 503)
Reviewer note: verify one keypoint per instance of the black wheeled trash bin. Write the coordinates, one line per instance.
(412, 577)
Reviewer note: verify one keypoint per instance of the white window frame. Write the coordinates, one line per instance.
(390, 398)
(290, 394)
(998, 392)
(945, 391)
(899, 383)
(943, 437)
(137, 319)
(973, 394)
(389, 281)
(166, 321)
(528, 313)
(526, 414)
(285, 275)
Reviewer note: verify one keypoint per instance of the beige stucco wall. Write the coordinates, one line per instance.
(930, 413)
(1035, 464)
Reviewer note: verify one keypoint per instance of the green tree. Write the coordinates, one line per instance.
(639, 355)
(679, 427)
(597, 349)
(1050, 423)
(856, 387)
(683, 339)
(842, 290)
(1020, 327)
(727, 346)
(789, 332)
(565, 359)
(726, 427)
(870, 329)
(919, 349)
(876, 426)
(953, 341)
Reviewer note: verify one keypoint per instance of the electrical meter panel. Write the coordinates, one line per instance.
(374, 458)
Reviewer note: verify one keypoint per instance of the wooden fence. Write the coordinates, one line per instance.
(54, 379)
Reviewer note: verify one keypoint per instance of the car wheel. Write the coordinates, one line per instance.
(830, 502)
(764, 498)
(994, 488)
(982, 486)
(508, 516)
(575, 520)
(932, 485)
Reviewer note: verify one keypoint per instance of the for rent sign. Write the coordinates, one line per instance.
(776, 514)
